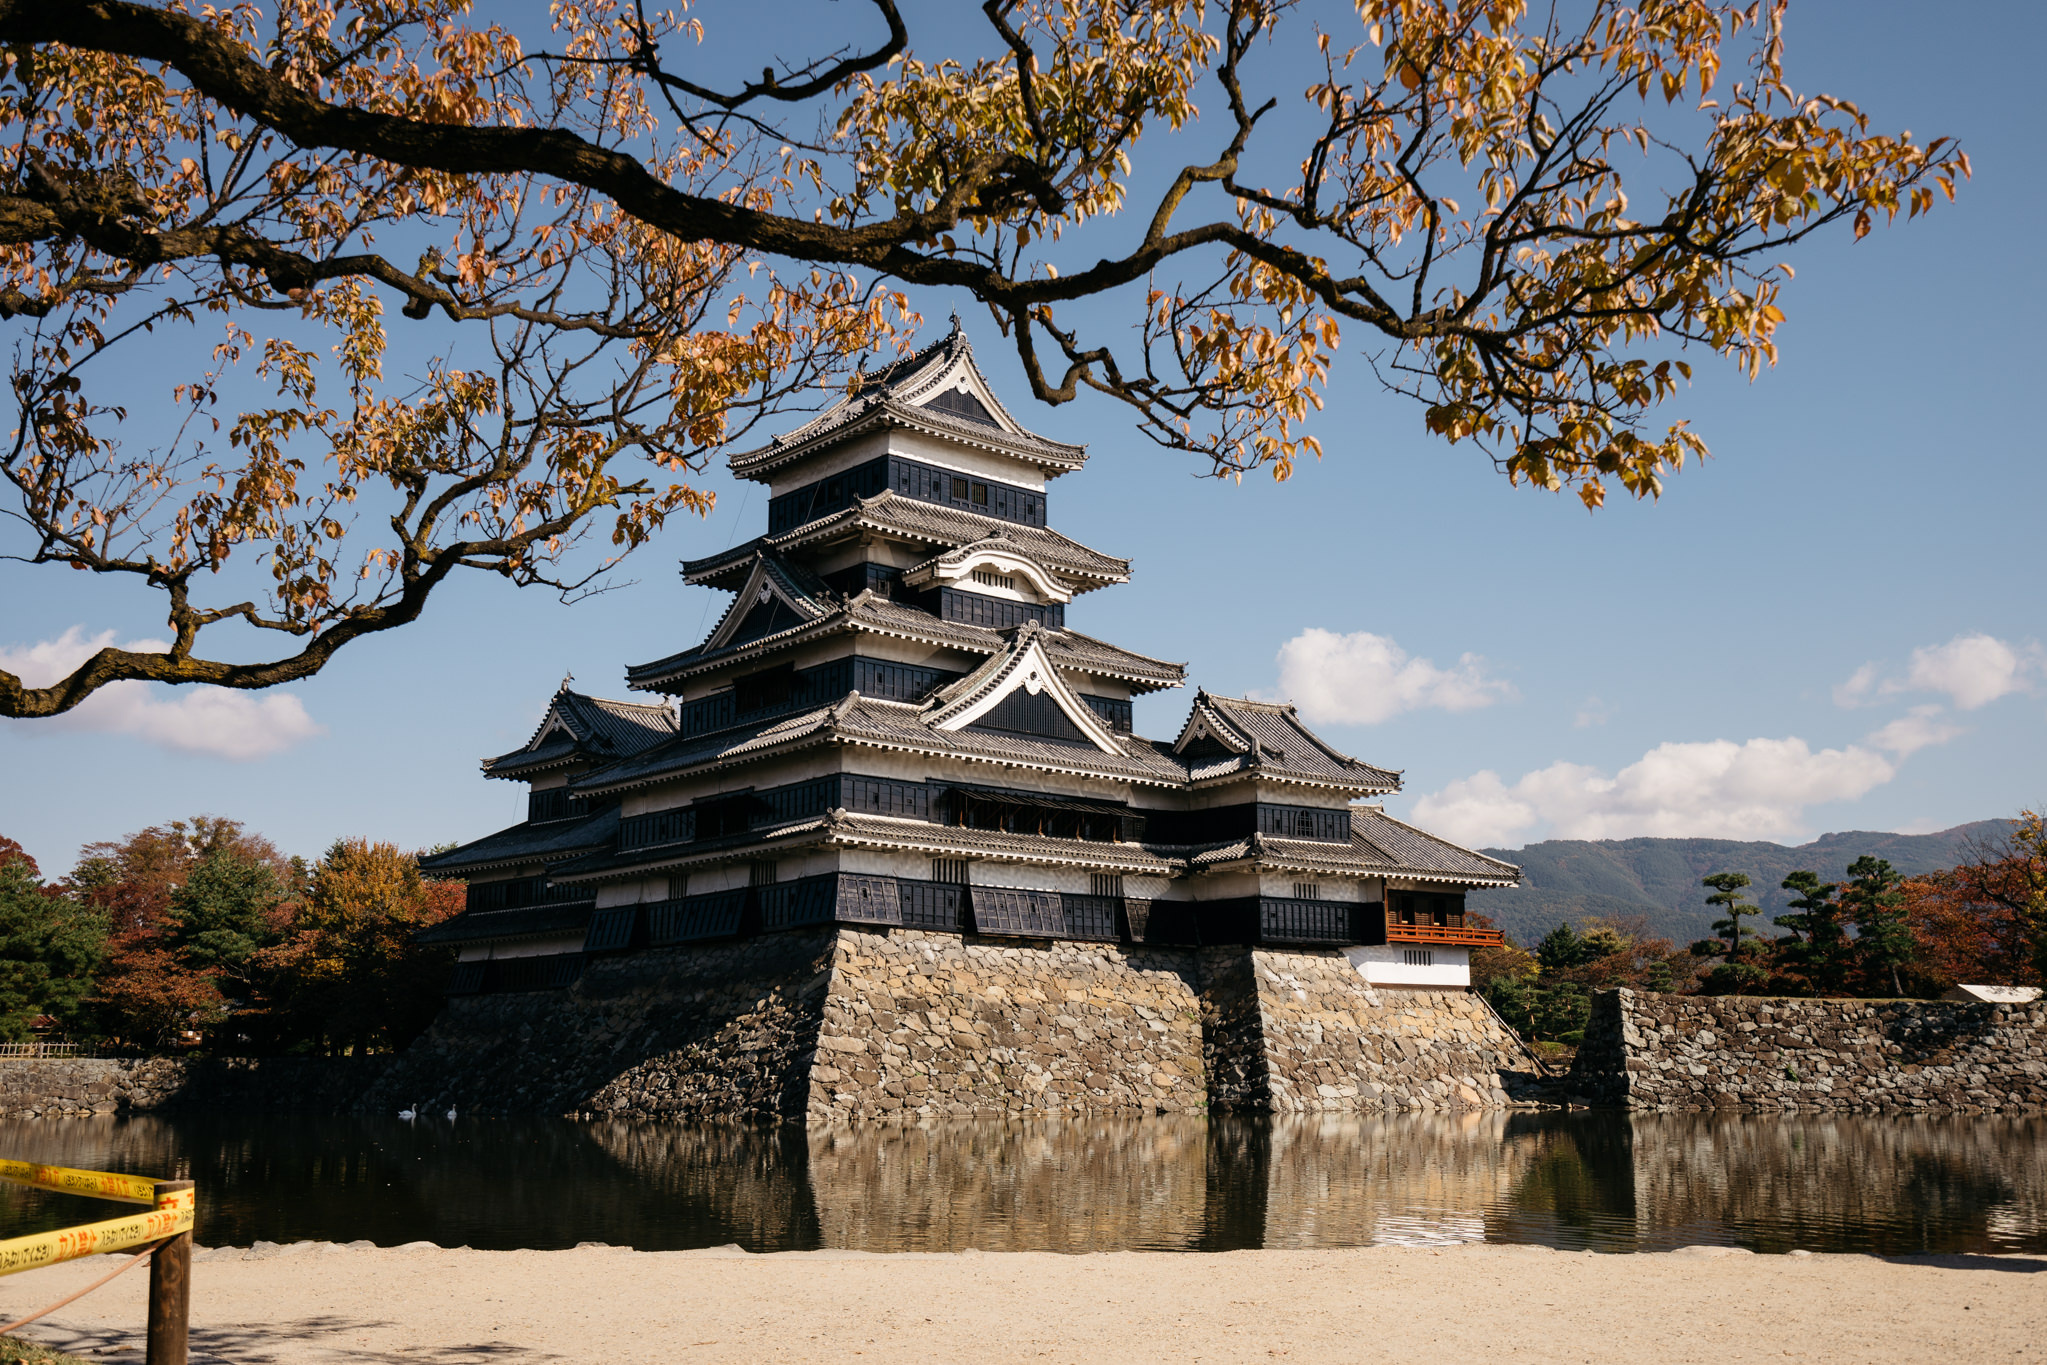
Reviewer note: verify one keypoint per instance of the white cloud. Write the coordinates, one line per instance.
(1917, 729)
(1856, 690)
(219, 721)
(1362, 679)
(1971, 670)
(1593, 712)
(1717, 788)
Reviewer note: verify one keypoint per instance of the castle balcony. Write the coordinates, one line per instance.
(1445, 935)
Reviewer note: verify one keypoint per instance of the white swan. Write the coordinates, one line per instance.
(451, 1113)
(409, 1114)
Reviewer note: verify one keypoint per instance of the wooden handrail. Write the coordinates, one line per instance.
(1444, 933)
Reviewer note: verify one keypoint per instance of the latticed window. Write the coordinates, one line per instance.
(1307, 891)
(1106, 883)
(988, 578)
(765, 872)
(1304, 823)
(678, 885)
(1415, 957)
(952, 870)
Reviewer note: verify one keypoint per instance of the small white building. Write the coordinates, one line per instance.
(1995, 995)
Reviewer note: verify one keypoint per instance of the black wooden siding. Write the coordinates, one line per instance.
(910, 479)
(1114, 713)
(774, 692)
(503, 975)
(1039, 717)
(1224, 823)
(554, 804)
(738, 812)
(521, 892)
(950, 907)
(995, 613)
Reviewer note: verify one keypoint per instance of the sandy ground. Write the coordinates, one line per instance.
(314, 1302)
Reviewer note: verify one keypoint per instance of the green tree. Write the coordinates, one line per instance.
(1823, 953)
(223, 914)
(352, 975)
(50, 946)
(1561, 949)
(1736, 941)
(1874, 899)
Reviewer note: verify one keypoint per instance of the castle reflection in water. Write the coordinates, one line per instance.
(1607, 1182)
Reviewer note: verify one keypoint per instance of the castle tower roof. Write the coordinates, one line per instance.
(939, 391)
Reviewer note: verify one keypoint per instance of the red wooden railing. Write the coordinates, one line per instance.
(1443, 933)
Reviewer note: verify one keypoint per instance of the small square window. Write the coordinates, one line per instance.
(980, 495)
(959, 489)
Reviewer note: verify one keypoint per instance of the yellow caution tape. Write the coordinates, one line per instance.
(131, 1189)
(92, 1239)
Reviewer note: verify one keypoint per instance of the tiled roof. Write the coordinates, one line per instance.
(592, 727)
(874, 723)
(873, 614)
(522, 843)
(920, 522)
(881, 831)
(899, 394)
(1379, 846)
(1268, 740)
(1412, 850)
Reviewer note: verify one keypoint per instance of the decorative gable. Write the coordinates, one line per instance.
(994, 563)
(767, 604)
(1021, 693)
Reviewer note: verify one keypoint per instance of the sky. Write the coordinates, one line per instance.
(1834, 623)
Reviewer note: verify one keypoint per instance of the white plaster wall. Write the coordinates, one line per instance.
(856, 452)
(1333, 888)
(1382, 965)
(1029, 878)
(1111, 688)
(549, 782)
(633, 892)
(1220, 886)
(880, 862)
(986, 464)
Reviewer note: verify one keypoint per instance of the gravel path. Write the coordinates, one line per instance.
(315, 1302)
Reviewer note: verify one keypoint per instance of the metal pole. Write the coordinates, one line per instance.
(170, 1291)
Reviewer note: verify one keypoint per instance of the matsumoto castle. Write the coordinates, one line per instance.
(894, 725)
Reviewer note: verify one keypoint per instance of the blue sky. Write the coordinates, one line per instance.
(1834, 623)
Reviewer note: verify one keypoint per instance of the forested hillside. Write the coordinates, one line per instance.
(1569, 879)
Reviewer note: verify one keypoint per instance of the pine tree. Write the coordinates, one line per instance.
(1874, 898)
(50, 946)
(1823, 953)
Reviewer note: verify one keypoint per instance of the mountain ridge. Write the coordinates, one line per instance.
(1572, 879)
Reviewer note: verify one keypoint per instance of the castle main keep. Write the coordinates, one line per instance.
(885, 840)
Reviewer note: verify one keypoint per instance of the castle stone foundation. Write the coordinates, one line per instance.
(845, 1023)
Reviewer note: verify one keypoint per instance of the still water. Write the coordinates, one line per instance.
(1606, 1182)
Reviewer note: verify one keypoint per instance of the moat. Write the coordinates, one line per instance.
(1598, 1181)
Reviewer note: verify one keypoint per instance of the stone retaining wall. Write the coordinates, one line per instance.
(1767, 1054)
(66, 1087)
(845, 1022)
(933, 1024)
(853, 1022)
(717, 1030)
(1331, 1042)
